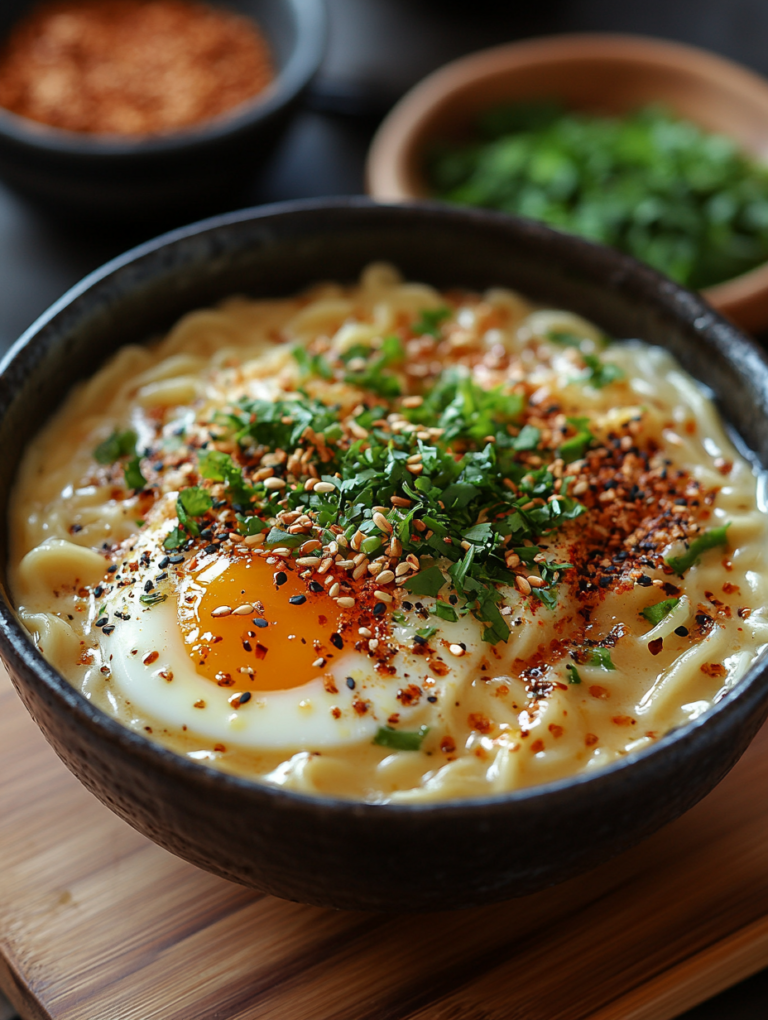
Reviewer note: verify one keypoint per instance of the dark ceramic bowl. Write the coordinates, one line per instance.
(321, 850)
(188, 172)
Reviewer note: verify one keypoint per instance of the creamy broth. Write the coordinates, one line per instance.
(390, 544)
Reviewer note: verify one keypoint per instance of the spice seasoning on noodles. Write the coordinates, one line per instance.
(131, 67)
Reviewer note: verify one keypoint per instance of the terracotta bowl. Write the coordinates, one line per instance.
(608, 74)
(319, 849)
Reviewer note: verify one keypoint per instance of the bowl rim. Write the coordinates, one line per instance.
(16, 646)
(311, 21)
(389, 172)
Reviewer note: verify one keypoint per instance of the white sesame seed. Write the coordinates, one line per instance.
(346, 564)
(364, 632)
(373, 644)
(325, 487)
(334, 590)
(245, 610)
(412, 401)
(536, 582)
(345, 602)
(308, 561)
(274, 483)
(360, 569)
(319, 663)
(325, 566)
(282, 550)
(255, 539)
(383, 595)
(456, 650)
(522, 585)
(309, 484)
(222, 611)
(386, 576)
(382, 523)
(402, 568)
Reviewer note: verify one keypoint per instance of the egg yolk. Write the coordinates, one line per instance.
(257, 626)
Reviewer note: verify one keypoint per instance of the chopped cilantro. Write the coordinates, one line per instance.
(119, 444)
(192, 502)
(600, 657)
(426, 582)
(575, 447)
(600, 373)
(426, 632)
(312, 364)
(565, 338)
(400, 740)
(277, 538)
(175, 539)
(250, 525)
(219, 467)
(545, 595)
(444, 611)
(528, 439)
(706, 540)
(373, 377)
(153, 599)
(655, 614)
(573, 674)
(134, 479)
(429, 321)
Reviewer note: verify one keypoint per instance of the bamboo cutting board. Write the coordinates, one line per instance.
(96, 923)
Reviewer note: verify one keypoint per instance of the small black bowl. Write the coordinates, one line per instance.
(165, 177)
(319, 849)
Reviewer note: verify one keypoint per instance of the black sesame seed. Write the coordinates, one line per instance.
(219, 504)
(206, 533)
(315, 587)
(163, 563)
(453, 599)
(380, 608)
(419, 640)
(280, 577)
(245, 697)
(605, 582)
(408, 606)
(101, 621)
(432, 698)
(297, 600)
(109, 629)
(350, 683)
(247, 646)
(258, 622)
(178, 558)
(210, 549)
(644, 581)
(681, 631)
(161, 577)
(149, 586)
(98, 591)
(112, 569)
(702, 619)
(337, 640)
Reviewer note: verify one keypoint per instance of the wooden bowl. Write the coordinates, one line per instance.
(608, 74)
(321, 849)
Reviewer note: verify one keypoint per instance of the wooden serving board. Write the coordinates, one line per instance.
(98, 923)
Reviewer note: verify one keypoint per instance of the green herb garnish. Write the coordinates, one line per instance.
(573, 674)
(426, 582)
(706, 540)
(429, 321)
(656, 613)
(600, 373)
(119, 444)
(400, 740)
(153, 599)
(312, 364)
(575, 447)
(600, 657)
(444, 612)
(134, 479)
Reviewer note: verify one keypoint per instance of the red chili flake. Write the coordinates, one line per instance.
(715, 669)
(599, 692)
(409, 695)
(478, 721)
(360, 706)
(654, 647)
(745, 613)
(219, 747)
(590, 739)
(731, 589)
(438, 667)
(394, 719)
(555, 730)
(329, 684)
(537, 746)
(224, 680)
(150, 657)
(447, 745)
(336, 713)
(260, 650)
(624, 720)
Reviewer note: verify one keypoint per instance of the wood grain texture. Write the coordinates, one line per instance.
(97, 922)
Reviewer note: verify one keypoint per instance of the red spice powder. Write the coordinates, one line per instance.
(131, 67)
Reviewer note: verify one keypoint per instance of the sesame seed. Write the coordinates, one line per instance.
(255, 539)
(536, 582)
(380, 608)
(337, 641)
(414, 401)
(402, 568)
(346, 564)
(274, 483)
(364, 632)
(319, 663)
(222, 611)
(308, 561)
(385, 577)
(523, 586)
(297, 600)
(345, 602)
(415, 469)
(350, 683)
(373, 644)
(245, 610)
(280, 578)
(315, 586)
(382, 523)
(456, 650)
(324, 487)
(383, 595)
(259, 622)
(359, 570)
(334, 590)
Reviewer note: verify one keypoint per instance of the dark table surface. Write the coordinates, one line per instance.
(377, 49)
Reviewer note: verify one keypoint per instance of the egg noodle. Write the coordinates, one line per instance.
(391, 544)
